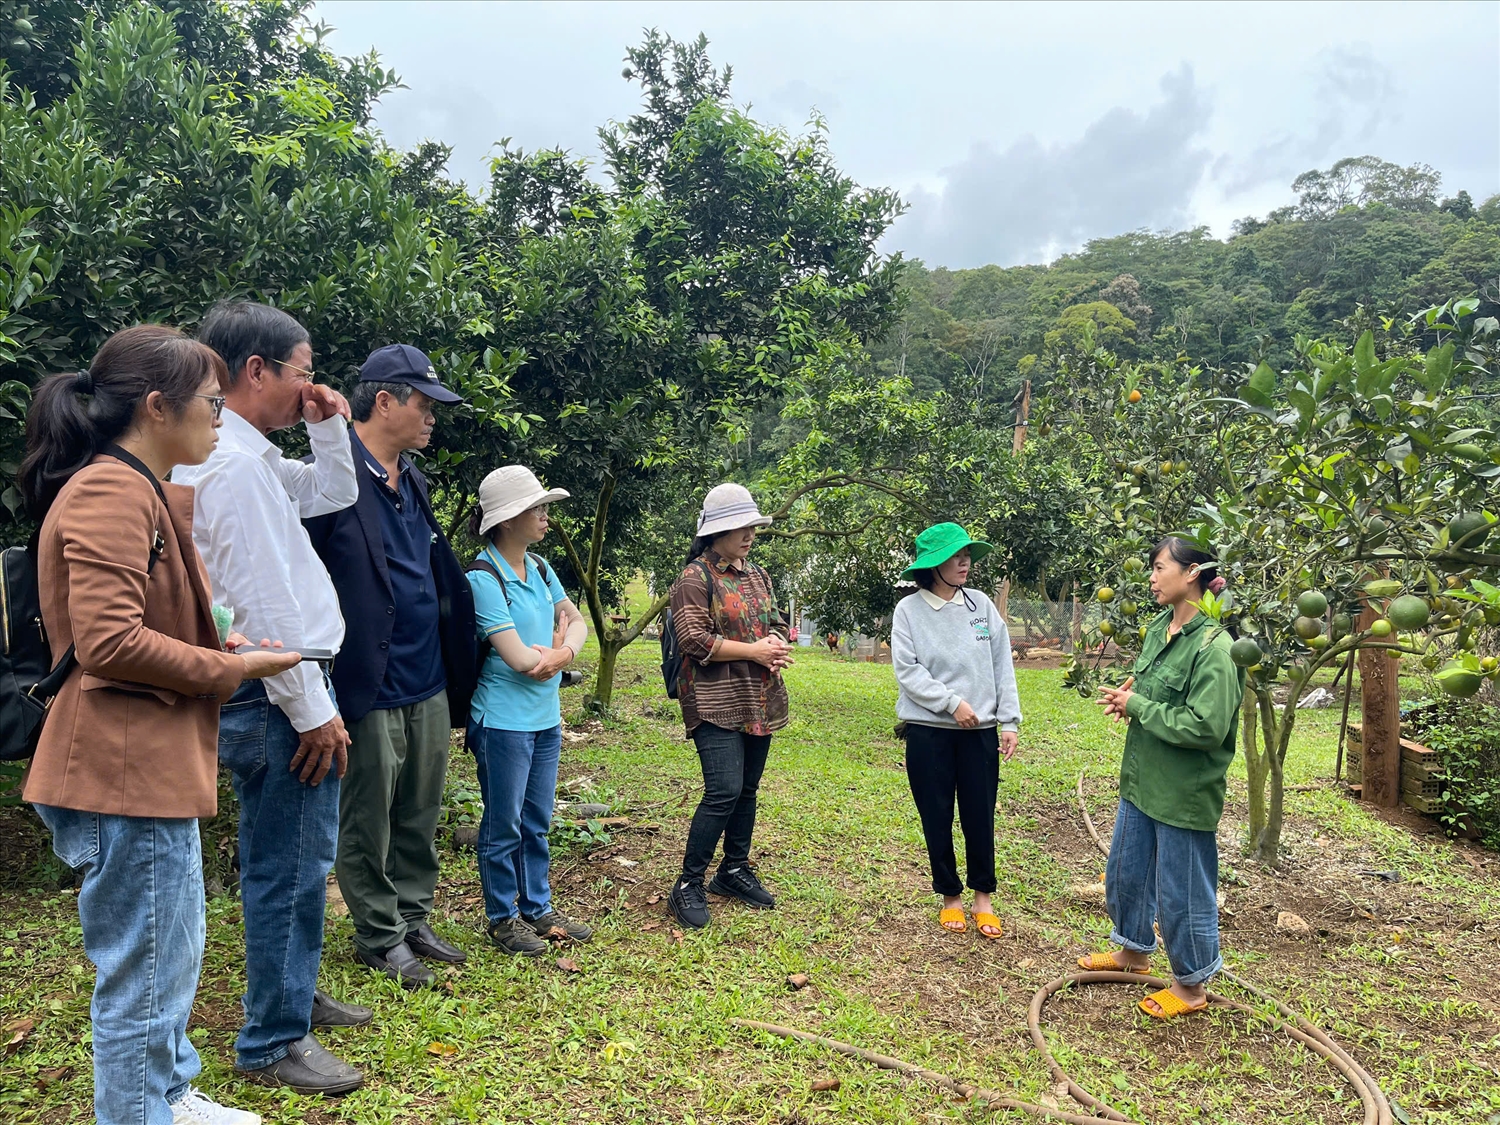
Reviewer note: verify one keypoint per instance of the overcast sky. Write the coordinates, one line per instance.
(1014, 131)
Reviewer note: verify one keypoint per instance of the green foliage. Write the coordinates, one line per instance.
(1364, 232)
(1333, 485)
(156, 158)
(1466, 736)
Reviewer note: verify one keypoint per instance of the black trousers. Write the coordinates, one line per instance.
(945, 764)
(732, 764)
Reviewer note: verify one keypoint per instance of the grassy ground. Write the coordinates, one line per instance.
(1401, 972)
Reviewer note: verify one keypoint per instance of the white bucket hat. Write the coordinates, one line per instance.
(729, 507)
(509, 491)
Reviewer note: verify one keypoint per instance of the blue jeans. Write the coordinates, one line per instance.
(288, 836)
(142, 913)
(518, 777)
(1171, 876)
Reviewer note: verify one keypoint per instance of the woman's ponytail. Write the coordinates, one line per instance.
(73, 417)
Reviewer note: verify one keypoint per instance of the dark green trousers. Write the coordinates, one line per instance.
(389, 802)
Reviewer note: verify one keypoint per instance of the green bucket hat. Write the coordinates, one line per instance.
(941, 542)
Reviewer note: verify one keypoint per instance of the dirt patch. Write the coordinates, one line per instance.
(26, 846)
(1402, 921)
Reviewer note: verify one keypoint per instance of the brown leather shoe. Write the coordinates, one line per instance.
(308, 1068)
(328, 1012)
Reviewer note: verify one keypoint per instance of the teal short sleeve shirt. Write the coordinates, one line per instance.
(504, 698)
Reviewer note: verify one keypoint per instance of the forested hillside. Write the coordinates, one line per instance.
(1363, 232)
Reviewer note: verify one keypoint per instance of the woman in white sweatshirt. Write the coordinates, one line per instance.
(958, 704)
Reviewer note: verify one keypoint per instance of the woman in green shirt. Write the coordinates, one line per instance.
(1181, 703)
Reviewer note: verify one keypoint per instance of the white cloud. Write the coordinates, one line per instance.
(1127, 170)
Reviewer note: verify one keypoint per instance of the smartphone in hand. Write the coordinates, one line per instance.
(316, 655)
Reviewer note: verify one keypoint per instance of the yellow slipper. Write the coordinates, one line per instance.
(1106, 963)
(1170, 1004)
(951, 918)
(987, 924)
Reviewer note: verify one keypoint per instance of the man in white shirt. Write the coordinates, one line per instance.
(282, 737)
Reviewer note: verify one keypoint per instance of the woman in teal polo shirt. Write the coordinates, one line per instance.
(515, 719)
(1181, 702)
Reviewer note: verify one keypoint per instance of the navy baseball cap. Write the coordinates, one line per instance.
(402, 363)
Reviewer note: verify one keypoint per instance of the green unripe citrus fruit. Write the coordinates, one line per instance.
(1318, 642)
(1489, 664)
(1142, 632)
(1245, 652)
(1307, 627)
(1459, 681)
(1409, 612)
(1106, 595)
(1468, 531)
(1342, 625)
(1129, 608)
(1381, 628)
(1107, 628)
(1312, 604)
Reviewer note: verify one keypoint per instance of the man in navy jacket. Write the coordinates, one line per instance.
(405, 672)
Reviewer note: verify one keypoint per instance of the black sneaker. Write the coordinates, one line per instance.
(688, 904)
(555, 926)
(741, 883)
(514, 936)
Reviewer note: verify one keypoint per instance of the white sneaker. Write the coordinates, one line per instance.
(197, 1108)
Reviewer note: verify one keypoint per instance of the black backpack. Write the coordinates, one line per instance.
(671, 653)
(28, 678)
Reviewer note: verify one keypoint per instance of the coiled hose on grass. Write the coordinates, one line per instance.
(1377, 1109)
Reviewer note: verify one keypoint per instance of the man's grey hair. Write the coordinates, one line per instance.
(362, 401)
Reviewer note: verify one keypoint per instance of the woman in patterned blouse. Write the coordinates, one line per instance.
(734, 646)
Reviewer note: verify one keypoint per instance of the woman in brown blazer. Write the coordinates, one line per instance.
(127, 759)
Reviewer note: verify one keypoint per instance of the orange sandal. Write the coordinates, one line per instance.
(951, 918)
(1171, 1005)
(984, 921)
(1106, 963)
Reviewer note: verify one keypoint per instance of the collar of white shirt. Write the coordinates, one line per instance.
(938, 603)
(242, 434)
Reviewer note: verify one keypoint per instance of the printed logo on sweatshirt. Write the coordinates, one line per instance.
(981, 627)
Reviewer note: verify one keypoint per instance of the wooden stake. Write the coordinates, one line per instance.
(1380, 715)
(1023, 416)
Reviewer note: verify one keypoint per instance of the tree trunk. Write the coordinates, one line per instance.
(604, 679)
(1268, 847)
(1256, 770)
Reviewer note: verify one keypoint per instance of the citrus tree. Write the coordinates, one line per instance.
(1352, 514)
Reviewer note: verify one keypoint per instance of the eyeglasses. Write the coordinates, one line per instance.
(217, 402)
(539, 510)
(304, 372)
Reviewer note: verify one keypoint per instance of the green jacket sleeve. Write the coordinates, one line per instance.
(1204, 720)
